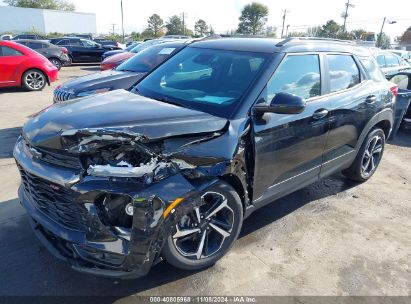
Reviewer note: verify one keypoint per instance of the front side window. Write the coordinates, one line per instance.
(298, 75)
(343, 72)
(147, 59)
(209, 80)
(88, 43)
(7, 51)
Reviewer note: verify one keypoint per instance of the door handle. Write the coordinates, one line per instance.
(320, 114)
(371, 99)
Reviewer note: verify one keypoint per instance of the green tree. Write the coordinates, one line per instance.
(253, 18)
(155, 25)
(406, 37)
(212, 32)
(360, 34)
(43, 4)
(201, 28)
(384, 41)
(330, 29)
(314, 31)
(174, 26)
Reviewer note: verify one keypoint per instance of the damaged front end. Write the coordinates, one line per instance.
(106, 200)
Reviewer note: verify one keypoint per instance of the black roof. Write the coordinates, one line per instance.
(289, 45)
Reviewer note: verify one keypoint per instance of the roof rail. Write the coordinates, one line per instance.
(291, 39)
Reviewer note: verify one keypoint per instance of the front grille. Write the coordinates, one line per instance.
(61, 95)
(59, 158)
(54, 201)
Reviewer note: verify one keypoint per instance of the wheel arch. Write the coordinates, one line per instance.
(383, 120)
(235, 181)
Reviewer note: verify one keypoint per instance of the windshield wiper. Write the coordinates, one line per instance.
(167, 100)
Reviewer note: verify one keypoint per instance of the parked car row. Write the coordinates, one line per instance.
(122, 77)
(22, 66)
(57, 55)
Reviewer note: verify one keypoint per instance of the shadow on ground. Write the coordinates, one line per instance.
(402, 138)
(29, 269)
(8, 138)
(13, 90)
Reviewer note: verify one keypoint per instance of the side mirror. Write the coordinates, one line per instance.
(283, 103)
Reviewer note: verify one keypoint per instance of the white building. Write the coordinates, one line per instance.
(18, 20)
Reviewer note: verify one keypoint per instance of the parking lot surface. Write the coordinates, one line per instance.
(334, 237)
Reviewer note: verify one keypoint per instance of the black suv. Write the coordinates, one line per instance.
(56, 55)
(82, 50)
(29, 36)
(117, 181)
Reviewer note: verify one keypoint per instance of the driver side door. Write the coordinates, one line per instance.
(289, 147)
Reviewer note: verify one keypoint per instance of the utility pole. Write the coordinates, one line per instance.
(379, 40)
(285, 14)
(184, 23)
(113, 24)
(286, 31)
(345, 15)
(122, 18)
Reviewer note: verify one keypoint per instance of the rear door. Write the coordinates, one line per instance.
(92, 50)
(289, 148)
(354, 99)
(10, 59)
(78, 51)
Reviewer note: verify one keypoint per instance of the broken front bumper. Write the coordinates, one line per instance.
(64, 216)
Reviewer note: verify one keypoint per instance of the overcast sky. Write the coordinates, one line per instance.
(223, 14)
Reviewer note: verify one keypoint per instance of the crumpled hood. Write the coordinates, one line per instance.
(107, 79)
(115, 110)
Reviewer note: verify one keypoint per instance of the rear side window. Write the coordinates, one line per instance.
(343, 72)
(370, 65)
(391, 61)
(35, 45)
(381, 61)
(7, 51)
(298, 75)
(62, 42)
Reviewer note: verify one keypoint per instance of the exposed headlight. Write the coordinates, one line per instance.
(93, 92)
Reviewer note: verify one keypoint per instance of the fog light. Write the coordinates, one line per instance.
(130, 209)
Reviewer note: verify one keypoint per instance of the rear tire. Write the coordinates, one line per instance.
(368, 158)
(208, 232)
(56, 62)
(34, 80)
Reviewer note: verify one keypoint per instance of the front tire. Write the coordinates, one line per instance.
(34, 80)
(206, 233)
(368, 157)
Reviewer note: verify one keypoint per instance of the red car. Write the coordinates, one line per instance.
(21, 66)
(113, 61)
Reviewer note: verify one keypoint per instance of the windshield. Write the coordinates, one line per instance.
(130, 47)
(147, 44)
(147, 59)
(213, 81)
